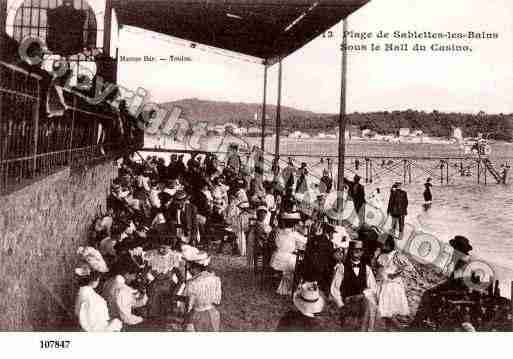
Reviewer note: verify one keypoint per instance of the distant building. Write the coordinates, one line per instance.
(254, 131)
(403, 132)
(457, 134)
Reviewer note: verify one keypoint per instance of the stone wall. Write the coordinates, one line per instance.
(41, 227)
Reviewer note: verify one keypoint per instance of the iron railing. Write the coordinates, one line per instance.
(33, 146)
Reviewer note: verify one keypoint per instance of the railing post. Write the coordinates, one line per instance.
(36, 129)
(404, 171)
(478, 171)
(72, 130)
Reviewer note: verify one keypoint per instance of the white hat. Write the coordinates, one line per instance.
(83, 271)
(192, 254)
(244, 205)
(308, 299)
(93, 258)
(291, 216)
(262, 208)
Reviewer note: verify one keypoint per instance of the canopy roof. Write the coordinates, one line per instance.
(266, 29)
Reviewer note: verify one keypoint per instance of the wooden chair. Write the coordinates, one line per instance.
(298, 270)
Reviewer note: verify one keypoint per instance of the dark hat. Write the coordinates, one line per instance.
(328, 228)
(354, 244)
(125, 264)
(461, 244)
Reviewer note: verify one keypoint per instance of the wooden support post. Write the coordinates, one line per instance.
(3, 18)
(264, 105)
(366, 171)
(404, 171)
(409, 172)
(107, 27)
(485, 174)
(342, 121)
(441, 172)
(371, 168)
(479, 171)
(278, 114)
(447, 171)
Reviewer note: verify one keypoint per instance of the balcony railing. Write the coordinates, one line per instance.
(33, 146)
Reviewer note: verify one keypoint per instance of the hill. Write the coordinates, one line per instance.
(217, 112)
(435, 123)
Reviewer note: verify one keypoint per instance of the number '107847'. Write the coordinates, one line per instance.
(55, 344)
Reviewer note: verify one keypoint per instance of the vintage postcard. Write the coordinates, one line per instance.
(255, 166)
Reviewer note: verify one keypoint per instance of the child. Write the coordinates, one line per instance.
(391, 295)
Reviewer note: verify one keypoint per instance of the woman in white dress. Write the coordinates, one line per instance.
(287, 241)
(90, 308)
(392, 300)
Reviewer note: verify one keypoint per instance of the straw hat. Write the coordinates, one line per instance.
(244, 205)
(291, 216)
(262, 208)
(308, 299)
(194, 255)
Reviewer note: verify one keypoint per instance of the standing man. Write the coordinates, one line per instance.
(353, 290)
(357, 192)
(398, 207)
(182, 218)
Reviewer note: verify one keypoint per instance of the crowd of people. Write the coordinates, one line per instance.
(148, 260)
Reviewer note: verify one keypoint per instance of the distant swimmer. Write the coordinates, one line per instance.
(428, 197)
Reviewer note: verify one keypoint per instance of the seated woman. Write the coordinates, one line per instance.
(90, 308)
(203, 291)
(287, 241)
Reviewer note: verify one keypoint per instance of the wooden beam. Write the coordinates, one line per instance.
(107, 28)
(278, 113)
(342, 121)
(264, 105)
(3, 17)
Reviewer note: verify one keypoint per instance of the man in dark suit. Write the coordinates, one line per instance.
(357, 192)
(319, 262)
(398, 207)
(182, 218)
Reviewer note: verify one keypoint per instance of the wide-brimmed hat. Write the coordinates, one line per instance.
(308, 299)
(244, 205)
(194, 255)
(461, 244)
(83, 271)
(93, 258)
(181, 195)
(291, 216)
(262, 208)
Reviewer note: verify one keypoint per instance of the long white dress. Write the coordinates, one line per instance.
(391, 295)
(93, 313)
(284, 259)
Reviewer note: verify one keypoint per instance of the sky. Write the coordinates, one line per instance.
(481, 80)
